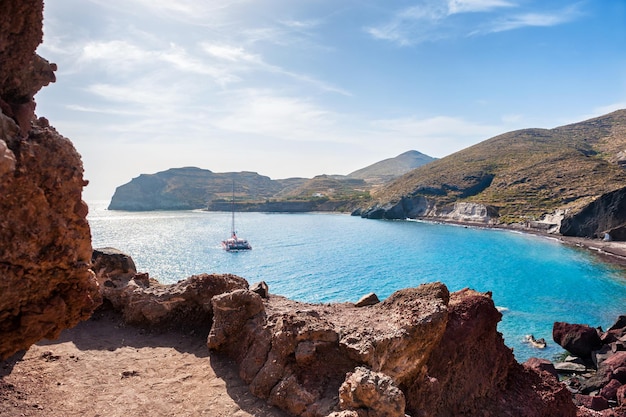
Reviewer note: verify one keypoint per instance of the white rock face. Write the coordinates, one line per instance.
(469, 212)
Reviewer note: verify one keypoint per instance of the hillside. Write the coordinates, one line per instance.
(194, 188)
(391, 168)
(191, 188)
(526, 173)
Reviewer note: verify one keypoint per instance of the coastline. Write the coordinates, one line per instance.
(610, 252)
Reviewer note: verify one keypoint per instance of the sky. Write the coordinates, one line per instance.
(301, 88)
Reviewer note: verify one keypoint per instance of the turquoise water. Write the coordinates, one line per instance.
(335, 258)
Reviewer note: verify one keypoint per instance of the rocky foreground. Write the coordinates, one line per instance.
(421, 352)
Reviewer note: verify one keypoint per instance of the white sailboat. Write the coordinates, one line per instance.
(235, 243)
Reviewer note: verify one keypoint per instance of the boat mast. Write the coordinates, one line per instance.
(232, 229)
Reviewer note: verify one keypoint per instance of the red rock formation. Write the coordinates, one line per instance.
(599, 390)
(442, 353)
(471, 372)
(45, 243)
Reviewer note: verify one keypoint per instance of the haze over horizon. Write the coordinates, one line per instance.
(298, 89)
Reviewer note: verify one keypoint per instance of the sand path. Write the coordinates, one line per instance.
(104, 368)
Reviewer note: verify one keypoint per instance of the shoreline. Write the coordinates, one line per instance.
(610, 252)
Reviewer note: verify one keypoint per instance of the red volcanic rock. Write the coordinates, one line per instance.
(471, 371)
(297, 355)
(619, 373)
(613, 363)
(578, 339)
(45, 241)
(542, 365)
(609, 391)
(145, 302)
(371, 392)
(441, 352)
(621, 396)
(592, 402)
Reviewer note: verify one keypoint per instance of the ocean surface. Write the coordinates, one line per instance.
(317, 258)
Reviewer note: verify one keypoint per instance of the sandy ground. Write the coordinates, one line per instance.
(610, 252)
(103, 368)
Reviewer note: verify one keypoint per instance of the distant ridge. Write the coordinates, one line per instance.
(195, 188)
(390, 168)
(189, 188)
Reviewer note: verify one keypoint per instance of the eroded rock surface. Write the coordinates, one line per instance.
(421, 350)
(45, 243)
(471, 372)
(144, 301)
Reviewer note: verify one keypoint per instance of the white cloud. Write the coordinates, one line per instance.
(434, 20)
(230, 53)
(136, 94)
(413, 24)
(300, 25)
(468, 6)
(238, 55)
(189, 11)
(266, 114)
(531, 20)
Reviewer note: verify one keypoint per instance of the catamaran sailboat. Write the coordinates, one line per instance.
(235, 243)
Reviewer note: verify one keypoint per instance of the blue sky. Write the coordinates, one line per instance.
(300, 88)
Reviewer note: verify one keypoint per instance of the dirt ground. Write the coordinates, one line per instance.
(103, 368)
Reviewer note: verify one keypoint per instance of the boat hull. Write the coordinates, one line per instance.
(236, 244)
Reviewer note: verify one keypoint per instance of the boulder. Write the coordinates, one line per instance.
(367, 300)
(261, 288)
(372, 394)
(609, 391)
(229, 322)
(592, 402)
(112, 264)
(578, 339)
(542, 365)
(614, 362)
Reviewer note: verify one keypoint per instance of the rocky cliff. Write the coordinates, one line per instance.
(189, 188)
(522, 178)
(45, 243)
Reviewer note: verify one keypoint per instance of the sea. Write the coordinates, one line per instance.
(324, 258)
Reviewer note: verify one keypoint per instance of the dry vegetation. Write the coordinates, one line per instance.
(526, 173)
